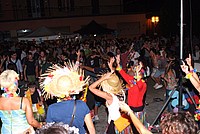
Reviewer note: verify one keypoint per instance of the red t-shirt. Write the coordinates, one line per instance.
(136, 90)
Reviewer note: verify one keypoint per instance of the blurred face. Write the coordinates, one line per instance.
(42, 54)
(118, 51)
(62, 57)
(32, 89)
(30, 56)
(14, 56)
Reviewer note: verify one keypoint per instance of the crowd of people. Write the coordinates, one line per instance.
(67, 80)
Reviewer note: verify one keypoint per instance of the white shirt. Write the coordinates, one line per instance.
(113, 109)
(134, 57)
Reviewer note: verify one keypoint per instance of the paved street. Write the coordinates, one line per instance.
(152, 108)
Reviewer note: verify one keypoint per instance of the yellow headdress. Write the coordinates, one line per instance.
(63, 81)
(112, 85)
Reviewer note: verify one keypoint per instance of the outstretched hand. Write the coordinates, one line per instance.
(110, 63)
(118, 59)
(139, 67)
(124, 107)
(189, 60)
(107, 75)
(78, 52)
(184, 68)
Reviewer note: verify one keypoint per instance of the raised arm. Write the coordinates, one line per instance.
(102, 94)
(78, 59)
(110, 64)
(189, 62)
(189, 75)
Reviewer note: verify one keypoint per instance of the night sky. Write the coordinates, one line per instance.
(169, 13)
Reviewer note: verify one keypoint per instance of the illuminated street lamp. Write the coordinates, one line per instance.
(155, 20)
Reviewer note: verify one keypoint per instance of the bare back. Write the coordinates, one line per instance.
(11, 103)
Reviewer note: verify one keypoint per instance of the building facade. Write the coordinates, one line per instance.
(68, 15)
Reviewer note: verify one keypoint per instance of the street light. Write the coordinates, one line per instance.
(155, 20)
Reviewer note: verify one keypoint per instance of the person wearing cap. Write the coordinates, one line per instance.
(112, 86)
(15, 112)
(67, 83)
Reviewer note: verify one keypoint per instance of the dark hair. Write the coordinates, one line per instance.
(12, 52)
(12, 66)
(131, 63)
(55, 128)
(31, 84)
(179, 123)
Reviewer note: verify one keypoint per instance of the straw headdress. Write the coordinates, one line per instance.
(112, 85)
(62, 81)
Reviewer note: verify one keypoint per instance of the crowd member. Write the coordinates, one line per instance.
(62, 59)
(36, 100)
(49, 62)
(154, 61)
(145, 53)
(42, 58)
(160, 70)
(158, 67)
(57, 128)
(66, 83)
(111, 87)
(72, 55)
(170, 80)
(13, 60)
(98, 100)
(179, 123)
(93, 60)
(4, 58)
(134, 55)
(124, 55)
(15, 112)
(31, 69)
(104, 67)
(136, 89)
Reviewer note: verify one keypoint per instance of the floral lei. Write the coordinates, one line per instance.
(6, 89)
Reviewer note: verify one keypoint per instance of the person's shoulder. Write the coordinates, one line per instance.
(82, 104)
(56, 106)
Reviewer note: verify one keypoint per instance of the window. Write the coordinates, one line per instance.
(65, 5)
(35, 8)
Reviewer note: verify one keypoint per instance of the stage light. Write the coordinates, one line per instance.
(154, 20)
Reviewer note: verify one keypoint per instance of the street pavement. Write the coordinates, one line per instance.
(152, 109)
